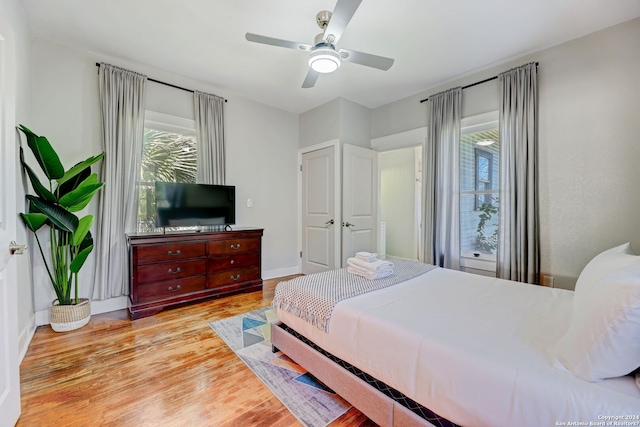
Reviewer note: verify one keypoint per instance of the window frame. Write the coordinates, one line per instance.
(169, 123)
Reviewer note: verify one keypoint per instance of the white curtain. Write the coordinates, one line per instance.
(518, 256)
(441, 172)
(122, 104)
(209, 112)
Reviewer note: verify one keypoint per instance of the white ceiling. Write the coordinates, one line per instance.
(432, 41)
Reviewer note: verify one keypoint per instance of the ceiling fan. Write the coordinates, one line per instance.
(323, 56)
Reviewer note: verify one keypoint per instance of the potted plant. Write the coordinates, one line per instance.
(69, 236)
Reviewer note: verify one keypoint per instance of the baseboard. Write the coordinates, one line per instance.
(42, 317)
(280, 272)
(26, 335)
(97, 307)
(111, 304)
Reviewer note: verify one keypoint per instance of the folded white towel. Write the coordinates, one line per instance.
(371, 275)
(371, 266)
(367, 256)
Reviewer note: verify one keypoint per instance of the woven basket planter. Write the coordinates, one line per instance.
(64, 318)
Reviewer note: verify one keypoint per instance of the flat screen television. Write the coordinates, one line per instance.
(188, 205)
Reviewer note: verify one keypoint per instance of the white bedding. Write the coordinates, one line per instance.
(473, 349)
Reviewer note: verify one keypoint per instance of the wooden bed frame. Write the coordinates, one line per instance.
(379, 407)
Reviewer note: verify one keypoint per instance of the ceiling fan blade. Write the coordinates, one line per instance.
(277, 42)
(340, 17)
(374, 61)
(310, 80)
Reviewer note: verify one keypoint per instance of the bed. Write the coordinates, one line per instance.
(453, 348)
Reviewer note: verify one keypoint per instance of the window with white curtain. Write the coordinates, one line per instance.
(169, 154)
(479, 187)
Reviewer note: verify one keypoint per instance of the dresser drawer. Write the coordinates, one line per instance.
(231, 262)
(223, 278)
(170, 252)
(233, 246)
(161, 290)
(171, 270)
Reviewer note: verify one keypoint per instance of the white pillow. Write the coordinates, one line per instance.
(602, 264)
(603, 340)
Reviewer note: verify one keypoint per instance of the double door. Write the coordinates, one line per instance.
(339, 205)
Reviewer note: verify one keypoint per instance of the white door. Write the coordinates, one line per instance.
(359, 201)
(319, 224)
(9, 363)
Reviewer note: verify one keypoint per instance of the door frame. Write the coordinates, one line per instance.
(337, 151)
(407, 139)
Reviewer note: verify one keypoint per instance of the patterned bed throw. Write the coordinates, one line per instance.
(313, 297)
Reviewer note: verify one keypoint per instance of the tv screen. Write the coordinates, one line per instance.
(188, 205)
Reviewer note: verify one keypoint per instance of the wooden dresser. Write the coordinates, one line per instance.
(171, 269)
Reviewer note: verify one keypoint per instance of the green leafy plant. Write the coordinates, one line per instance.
(69, 236)
(487, 243)
(166, 157)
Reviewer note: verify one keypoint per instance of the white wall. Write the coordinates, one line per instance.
(588, 142)
(340, 119)
(589, 131)
(261, 144)
(355, 124)
(262, 159)
(320, 124)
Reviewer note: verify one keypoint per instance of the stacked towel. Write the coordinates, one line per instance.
(371, 270)
(367, 256)
(378, 265)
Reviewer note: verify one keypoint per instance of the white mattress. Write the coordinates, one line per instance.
(473, 349)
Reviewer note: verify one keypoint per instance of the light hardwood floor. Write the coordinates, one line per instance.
(170, 369)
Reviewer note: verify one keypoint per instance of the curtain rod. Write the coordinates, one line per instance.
(471, 85)
(163, 83)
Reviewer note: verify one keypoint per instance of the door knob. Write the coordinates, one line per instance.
(16, 249)
(330, 222)
(348, 224)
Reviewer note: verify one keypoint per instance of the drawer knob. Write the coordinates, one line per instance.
(236, 277)
(232, 262)
(235, 246)
(174, 253)
(174, 290)
(174, 272)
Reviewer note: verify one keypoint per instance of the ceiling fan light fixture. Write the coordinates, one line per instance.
(322, 55)
(324, 60)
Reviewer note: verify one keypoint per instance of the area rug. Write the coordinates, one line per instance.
(249, 336)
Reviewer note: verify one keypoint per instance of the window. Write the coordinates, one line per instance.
(484, 177)
(479, 169)
(169, 154)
